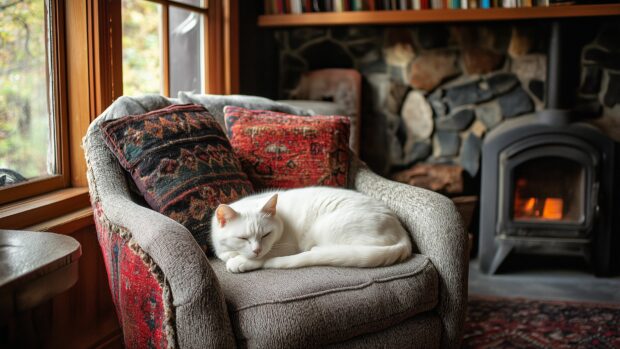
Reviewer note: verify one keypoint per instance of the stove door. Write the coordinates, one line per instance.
(547, 190)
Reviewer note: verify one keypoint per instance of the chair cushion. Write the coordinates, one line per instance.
(316, 306)
(279, 150)
(181, 161)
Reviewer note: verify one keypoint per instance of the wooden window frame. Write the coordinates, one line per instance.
(59, 125)
(89, 78)
(219, 47)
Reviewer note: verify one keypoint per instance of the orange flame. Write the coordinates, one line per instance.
(553, 209)
(528, 208)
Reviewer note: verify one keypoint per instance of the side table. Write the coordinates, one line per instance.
(34, 267)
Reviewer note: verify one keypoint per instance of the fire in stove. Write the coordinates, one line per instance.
(549, 209)
(532, 208)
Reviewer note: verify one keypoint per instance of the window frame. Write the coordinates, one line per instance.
(59, 124)
(88, 78)
(211, 12)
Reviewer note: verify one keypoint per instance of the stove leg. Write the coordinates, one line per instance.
(501, 254)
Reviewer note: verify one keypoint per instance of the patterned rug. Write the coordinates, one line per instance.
(520, 323)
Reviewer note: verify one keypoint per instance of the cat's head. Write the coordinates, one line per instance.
(251, 232)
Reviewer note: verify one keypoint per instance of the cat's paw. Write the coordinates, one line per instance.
(240, 264)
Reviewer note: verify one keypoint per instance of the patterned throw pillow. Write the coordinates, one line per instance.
(279, 150)
(182, 162)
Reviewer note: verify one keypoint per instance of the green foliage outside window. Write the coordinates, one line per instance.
(24, 113)
(142, 69)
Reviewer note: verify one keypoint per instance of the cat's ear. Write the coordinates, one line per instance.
(225, 213)
(270, 206)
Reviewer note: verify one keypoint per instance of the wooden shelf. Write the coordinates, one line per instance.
(435, 16)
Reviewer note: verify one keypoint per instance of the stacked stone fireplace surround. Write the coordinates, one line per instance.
(432, 92)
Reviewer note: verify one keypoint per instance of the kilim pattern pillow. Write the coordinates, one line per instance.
(279, 150)
(181, 161)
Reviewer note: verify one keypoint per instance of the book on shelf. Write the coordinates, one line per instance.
(277, 7)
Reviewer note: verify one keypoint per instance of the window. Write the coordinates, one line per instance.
(31, 120)
(165, 55)
(57, 75)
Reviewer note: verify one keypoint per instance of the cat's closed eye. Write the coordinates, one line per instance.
(246, 239)
(264, 236)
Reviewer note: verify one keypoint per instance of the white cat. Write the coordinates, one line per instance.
(311, 226)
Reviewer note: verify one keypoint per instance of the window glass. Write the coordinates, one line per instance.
(26, 139)
(142, 48)
(185, 51)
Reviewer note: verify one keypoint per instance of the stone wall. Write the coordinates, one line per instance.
(600, 79)
(433, 91)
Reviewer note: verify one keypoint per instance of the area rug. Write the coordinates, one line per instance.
(521, 323)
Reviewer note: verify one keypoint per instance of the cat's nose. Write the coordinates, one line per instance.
(257, 250)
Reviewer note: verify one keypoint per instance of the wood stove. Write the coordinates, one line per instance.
(547, 184)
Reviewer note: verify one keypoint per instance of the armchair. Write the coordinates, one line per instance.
(167, 292)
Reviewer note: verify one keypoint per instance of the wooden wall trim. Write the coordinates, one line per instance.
(231, 46)
(165, 49)
(215, 42)
(105, 54)
(19, 215)
(66, 224)
(79, 106)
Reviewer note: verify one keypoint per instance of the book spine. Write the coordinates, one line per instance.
(337, 5)
(464, 4)
(295, 7)
(315, 6)
(328, 5)
(485, 4)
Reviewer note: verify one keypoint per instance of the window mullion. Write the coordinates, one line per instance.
(165, 47)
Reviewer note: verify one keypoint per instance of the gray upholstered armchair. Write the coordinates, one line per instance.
(169, 294)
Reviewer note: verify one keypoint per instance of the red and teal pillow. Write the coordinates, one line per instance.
(181, 161)
(279, 150)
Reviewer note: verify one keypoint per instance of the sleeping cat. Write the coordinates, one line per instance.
(305, 227)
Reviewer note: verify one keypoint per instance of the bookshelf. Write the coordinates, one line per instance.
(435, 16)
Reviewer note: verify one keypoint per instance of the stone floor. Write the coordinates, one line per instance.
(547, 278)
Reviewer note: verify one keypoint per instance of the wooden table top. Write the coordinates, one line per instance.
(25, 255)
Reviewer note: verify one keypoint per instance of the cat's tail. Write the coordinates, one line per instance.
(346, 256)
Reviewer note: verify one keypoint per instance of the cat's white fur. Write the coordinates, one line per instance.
(305, 227)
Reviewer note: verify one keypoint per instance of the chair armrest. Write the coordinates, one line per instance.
(437, 232)
(199, 312)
